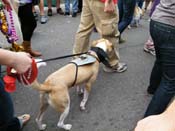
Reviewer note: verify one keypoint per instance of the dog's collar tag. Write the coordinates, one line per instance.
(84, 60)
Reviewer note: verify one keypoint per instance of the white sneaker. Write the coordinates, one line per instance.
(119, 68)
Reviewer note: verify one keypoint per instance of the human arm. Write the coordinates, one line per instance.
(162, 122)
(109, 6)
(7, 3)
(20, 61)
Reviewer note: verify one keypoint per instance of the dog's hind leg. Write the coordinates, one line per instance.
(43, 106)
(85, 95)
(80, 90)
(63, 116)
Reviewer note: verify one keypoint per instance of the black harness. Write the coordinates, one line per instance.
(102, 57)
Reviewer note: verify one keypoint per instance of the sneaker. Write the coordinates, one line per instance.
(66, 13)
(60, 11)
(119, 68)
(149, 48)
(74, 14)
(121, 40)
(43, 19)
(49, 12)
(35, 14)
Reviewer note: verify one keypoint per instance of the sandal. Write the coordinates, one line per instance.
(24, 119)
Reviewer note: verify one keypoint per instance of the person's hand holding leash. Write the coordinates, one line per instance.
(22, 62)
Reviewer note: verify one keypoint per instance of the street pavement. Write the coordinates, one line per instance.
(117, 100)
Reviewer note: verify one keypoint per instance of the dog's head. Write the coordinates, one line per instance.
(104, 44)
(101, 47)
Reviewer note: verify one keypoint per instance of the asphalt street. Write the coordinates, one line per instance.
(117, 100)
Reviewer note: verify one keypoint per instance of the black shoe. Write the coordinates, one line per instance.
(79, 11)
(60, 11)
(66, 13)
(49, 12)
(74, 14)
(35, 15)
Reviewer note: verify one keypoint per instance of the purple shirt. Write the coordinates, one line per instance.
(22, 2)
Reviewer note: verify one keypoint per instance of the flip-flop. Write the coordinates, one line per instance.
(24, 119)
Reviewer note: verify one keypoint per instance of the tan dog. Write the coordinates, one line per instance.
(55, 90)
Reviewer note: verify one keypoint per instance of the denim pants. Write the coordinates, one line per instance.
(74, 6)
(7, 120)
(140, 3)
(126, 11)
(163, 74)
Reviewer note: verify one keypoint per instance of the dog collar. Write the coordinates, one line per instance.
(102, 56)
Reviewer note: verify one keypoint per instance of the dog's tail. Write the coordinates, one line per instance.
(41, 87)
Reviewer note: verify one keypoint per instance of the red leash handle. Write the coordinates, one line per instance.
(26, 78)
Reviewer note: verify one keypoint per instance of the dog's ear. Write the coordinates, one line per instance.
(109, 45)
(94, 43)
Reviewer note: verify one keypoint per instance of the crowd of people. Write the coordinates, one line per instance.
(76, 8)
(110, 18)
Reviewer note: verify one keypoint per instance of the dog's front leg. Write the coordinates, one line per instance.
(85, 96)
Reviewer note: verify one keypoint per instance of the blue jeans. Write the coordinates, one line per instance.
(140, 3)
(126, 11)
(74, 6)
(163, 74)
(7, 120)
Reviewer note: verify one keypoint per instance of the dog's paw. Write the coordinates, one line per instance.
(42, 127)
(65, 126)
(82, 108)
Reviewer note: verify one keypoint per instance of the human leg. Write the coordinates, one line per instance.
(74, 8)
(43, 18)
(67, 7)
(7, 120)
(120, 9)
(49, 5)
(128, 11)
(28, 25)
(84, 30)
(105, 24)
(80, 5)
(140, 3)
(163, 37)
(59, 10)
(155, 78)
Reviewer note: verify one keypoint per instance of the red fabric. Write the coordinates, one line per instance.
(26, 78)
(115, 1)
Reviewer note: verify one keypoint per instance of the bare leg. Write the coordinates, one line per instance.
(41, 7)
(58, 4)
(49, 4)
